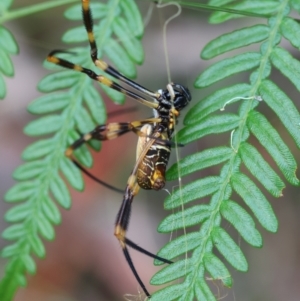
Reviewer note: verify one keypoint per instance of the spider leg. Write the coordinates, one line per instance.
(122, 222)
(100, 78)
(169, 143)
(133, 245)
(106, 132)
(111, 131)
(88, 23)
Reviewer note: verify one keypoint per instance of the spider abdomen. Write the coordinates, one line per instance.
(152, 168)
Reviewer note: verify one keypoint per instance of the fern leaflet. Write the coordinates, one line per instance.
(8, 47)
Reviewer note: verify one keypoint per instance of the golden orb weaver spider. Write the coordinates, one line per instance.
(154, 144)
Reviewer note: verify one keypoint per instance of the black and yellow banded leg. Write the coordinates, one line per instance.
(100, 78)
(88, 23)
(114, 130)
(122, 222)
(107, 132)
(111, 131)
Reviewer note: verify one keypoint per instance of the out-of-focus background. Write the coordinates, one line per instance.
(85, 261)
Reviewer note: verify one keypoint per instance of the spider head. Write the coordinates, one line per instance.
(182, 96)
(176, 96)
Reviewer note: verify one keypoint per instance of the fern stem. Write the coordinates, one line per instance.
(22, 12)
(9, 285)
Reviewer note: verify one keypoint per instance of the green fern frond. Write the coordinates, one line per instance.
(8, 47)
(78, 107)
(190, 273)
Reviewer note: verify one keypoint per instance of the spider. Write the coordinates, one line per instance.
(154, 143)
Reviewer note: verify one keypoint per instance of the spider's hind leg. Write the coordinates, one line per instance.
(121, 227)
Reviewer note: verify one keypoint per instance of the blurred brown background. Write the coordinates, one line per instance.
(85, 261)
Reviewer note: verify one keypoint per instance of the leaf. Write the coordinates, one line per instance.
(203, 292)
(192, 192)
(60, 192)
(173, 271)
(295, 4)
(227, 67)
(48, 103)
(7, 41)
(11, 250)
(95, 104)
(261, 169)
(75, 35)
(290, 29)
(20, 191)
(217, 269)
(236, 39)
(45, 227)
(120, 59)
(210, 125)
(82, 154)
(169, 293)
(50, 210)
(13, 232)
(2, 87)
(287, 65)
(60, 80)
(28, 170)
(188, 217)
(84, 122)
(72, 174)
(132, 45)
(44, 125)
(270, 139)
(178, 246)
(6, 65)
(242, 222)
(256, 201)
(37, 246)
(21, 280)
(29, 264)
(229, 249)
(38, 149)
(188, 296)
(18, 213)
(199, 161)
(133, 17)
(216, 101)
